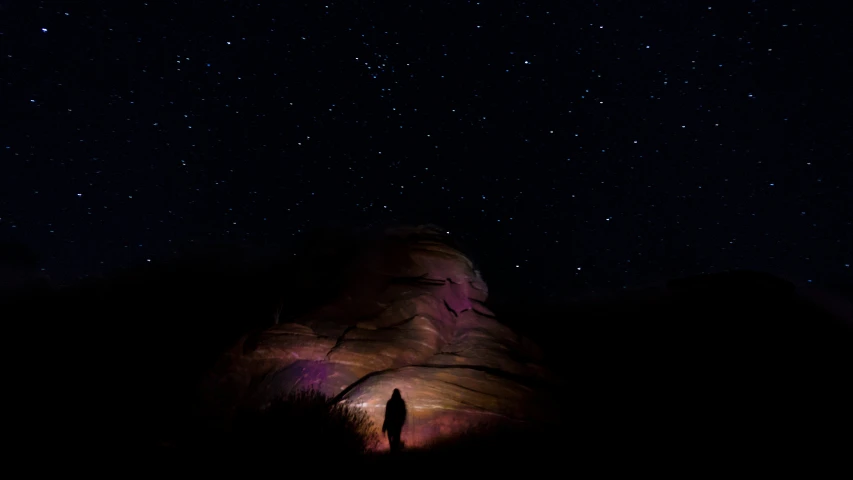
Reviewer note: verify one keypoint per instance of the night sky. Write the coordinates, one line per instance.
(571, 146)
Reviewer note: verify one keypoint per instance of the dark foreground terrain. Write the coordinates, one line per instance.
(703, 373)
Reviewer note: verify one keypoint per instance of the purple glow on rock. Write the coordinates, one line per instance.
(427, 333)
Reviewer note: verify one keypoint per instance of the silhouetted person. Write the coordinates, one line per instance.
(395, 417)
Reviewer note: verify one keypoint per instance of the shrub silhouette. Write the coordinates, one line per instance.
(305, 424)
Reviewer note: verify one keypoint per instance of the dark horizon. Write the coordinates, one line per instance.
(21, 269)
(23, 266)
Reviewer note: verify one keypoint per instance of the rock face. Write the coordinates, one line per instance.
(411, 317)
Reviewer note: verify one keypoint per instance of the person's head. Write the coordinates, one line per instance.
(396, 393)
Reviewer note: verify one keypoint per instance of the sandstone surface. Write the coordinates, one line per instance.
(412, 316)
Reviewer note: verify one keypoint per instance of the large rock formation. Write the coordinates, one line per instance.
(411, 316)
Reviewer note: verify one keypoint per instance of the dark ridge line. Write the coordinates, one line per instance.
(402, 322)
(419, 280)
(454, 354)
(484, 314)
(479, 302)
(524, 381)
(450, 309)
(463, 387)
(339, 342)
(343, 338)
(293, 334)
(357, 340)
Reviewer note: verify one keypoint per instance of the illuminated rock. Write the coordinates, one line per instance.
(412, 317)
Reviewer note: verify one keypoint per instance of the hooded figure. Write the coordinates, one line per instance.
(395, 417)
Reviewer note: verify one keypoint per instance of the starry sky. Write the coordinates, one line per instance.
(572, 146)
